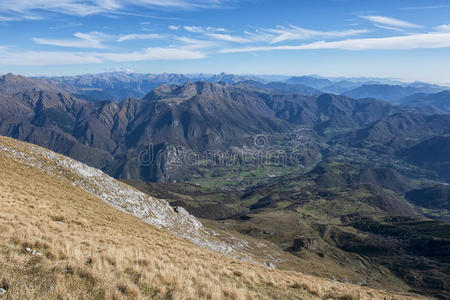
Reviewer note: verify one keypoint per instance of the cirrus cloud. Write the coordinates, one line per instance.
(292, 33)
(92, 39)
(36, 9)
(390, 22)
(46, 58)
(138, 36)
(432, 40)
(228, 38)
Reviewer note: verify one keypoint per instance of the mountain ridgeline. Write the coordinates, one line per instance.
(120, 85)
(326, 179)
(117, 86)
(196, 116)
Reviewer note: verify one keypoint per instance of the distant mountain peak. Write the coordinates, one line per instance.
(188, 90)
(11, 84)
(12, 78)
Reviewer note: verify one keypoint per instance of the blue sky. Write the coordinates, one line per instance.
(403, 39)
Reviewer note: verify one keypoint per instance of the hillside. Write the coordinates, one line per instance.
(401, 130)
(346, 221)
(59, 240)
(432, 154)
(438, 101)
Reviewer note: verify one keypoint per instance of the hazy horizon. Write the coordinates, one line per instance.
(266, 77)
(408, 40)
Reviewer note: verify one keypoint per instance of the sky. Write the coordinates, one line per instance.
(403, 39)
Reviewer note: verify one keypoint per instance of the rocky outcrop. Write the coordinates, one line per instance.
(156, 212)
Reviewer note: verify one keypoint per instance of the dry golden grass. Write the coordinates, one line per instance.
(86, 249)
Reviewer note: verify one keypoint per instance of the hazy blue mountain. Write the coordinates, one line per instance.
(391, 93)
(121, 85)
(324, 84)
(340, 87)
(230, 78)
(117, 85)
(284, 87)
(315, 82)
(438, 101)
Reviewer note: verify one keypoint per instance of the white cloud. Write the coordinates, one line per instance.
(137, 36)
(10, 18)
(216, 33)
(431, 40)
(25, 9)
(194, 29)
(92, 39)
(180, 4)
(389, 27)
(154, 54)
(259, 36)
(443, 28)
(282, 33)
(216, 29)
(228, 38)
(44, 58)
(190, 43)
(392, 22)
(7, 19)
(174, 27)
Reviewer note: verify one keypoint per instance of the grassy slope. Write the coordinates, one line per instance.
(307, 217)
(87, 249)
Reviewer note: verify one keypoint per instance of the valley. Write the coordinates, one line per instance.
(351, 190)
(62, 238)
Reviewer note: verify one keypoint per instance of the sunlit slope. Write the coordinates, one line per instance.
(58, 240)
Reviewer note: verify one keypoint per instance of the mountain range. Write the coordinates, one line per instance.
(329, 179)
(391, 93)
(198, 116)
(435, 102)
(117, 86)
(121, 85)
